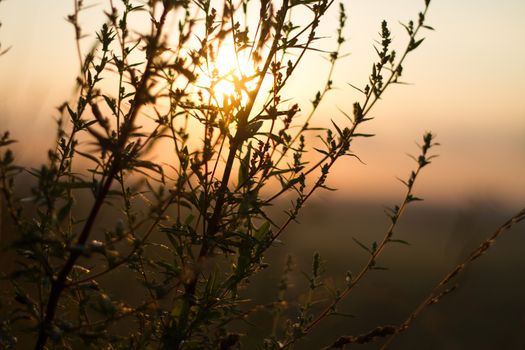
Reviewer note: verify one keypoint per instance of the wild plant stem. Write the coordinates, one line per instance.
(439, 290)
(59, 283)
(330, 308)
(236, 142)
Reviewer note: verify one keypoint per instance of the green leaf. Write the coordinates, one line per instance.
(262, 232)
(112, 104)
(321, 151)
(244, 168)
(414, 44)
(273, 137)
(399, 241)
(89, 156)
(253, 128)
(339, 131)
(72, 114)
(411, 198)
(381, 268)
(65, 210)
(362, 245)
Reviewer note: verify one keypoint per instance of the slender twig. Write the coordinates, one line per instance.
(442, 289)
(423, 160)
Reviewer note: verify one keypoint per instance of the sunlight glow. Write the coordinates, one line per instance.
(230, 76)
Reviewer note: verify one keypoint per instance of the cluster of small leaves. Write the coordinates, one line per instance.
(389, 66)
(188, 231)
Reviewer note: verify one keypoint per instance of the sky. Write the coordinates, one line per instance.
(467, 84)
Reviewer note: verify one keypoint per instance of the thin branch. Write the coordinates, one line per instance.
(444, 286)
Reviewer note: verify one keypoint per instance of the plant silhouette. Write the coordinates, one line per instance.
(188, 232)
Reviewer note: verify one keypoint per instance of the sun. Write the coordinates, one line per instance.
(231, 75)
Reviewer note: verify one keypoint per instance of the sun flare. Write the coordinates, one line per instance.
(231, 75)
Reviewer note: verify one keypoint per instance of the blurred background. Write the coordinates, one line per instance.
(466, 84)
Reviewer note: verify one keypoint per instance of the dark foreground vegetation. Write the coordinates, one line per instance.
(113, 247)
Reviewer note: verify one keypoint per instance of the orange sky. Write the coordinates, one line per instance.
(468, 82)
